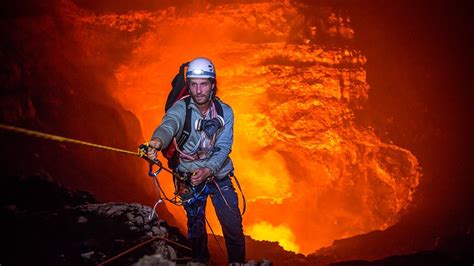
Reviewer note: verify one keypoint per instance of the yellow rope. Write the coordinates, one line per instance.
(64, 139)
(140, 153)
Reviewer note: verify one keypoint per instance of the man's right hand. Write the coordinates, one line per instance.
(154, 146)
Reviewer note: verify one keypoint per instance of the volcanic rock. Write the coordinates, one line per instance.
(58, 226)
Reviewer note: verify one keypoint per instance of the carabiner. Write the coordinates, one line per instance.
(160, 167)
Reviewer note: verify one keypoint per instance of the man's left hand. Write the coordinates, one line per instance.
(200, 175)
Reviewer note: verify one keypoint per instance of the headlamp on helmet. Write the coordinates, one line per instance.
(201, 68)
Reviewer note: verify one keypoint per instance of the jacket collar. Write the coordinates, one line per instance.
(193, 105)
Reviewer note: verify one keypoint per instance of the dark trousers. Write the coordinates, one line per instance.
(229, 218)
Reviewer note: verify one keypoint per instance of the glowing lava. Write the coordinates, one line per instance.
(281, 234)
(309, 172)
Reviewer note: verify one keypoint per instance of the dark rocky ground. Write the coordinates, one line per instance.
(44, 223)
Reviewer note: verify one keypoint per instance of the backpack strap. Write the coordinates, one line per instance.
(187, 125)
(219, 109)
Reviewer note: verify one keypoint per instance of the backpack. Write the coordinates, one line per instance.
(178, 91)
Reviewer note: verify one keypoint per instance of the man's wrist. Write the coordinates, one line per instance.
(211, 173)
(158, 141)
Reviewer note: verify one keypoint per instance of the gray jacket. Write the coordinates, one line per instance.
(172, 125)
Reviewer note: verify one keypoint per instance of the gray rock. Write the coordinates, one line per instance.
(153, 260)
(82, 220)
(88, 255)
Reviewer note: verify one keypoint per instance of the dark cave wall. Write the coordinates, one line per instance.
(419, 67)
(419, 59)
(56, 77)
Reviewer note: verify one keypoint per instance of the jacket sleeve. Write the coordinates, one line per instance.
(171, 124)
(224, 142)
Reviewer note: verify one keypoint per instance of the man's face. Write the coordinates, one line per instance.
(200, 90)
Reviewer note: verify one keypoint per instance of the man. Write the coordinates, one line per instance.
(204, 160)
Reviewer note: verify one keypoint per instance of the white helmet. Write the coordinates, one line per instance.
(201, 67)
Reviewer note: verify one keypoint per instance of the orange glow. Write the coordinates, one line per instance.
(281, 234)
(309, 172)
